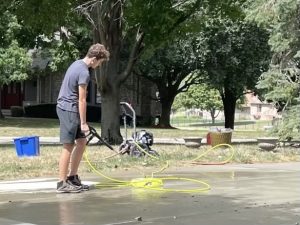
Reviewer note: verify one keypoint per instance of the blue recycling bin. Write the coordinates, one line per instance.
(27, 146)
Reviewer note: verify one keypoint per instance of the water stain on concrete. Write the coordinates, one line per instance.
(237, 196)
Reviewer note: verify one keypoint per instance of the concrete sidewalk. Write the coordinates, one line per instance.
(261, 194)
(164, 141)
(48, 185)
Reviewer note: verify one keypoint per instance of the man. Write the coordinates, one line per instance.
(71, 111)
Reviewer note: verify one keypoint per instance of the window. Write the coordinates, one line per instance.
(259, 108)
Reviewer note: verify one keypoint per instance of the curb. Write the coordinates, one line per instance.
(157, 141)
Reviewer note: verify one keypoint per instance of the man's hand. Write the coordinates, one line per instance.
(85, 128)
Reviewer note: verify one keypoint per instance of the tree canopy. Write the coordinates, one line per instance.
(14, 60)
(203, 97)
(281, 83)
(237, 53)
(171, 68)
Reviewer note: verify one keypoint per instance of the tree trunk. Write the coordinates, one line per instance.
(108, 27)
(164, 121)
(166, 100)
(110, 115)
(212, 114)
(229, 103)
(109, 87)
(107, 31)
(167, 95)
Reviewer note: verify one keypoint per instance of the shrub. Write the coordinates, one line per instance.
(41, 111)
(49, 111)
(16, 111)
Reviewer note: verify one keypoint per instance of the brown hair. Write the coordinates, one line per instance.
(98, 51)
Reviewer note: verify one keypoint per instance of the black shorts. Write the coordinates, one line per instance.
(69, 126)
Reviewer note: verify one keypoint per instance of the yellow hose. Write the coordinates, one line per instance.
(210, 149)
(152, 183)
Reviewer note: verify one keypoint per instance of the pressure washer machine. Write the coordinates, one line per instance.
(140, 142)
(138, 145)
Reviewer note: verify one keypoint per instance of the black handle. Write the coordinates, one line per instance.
(93, 133)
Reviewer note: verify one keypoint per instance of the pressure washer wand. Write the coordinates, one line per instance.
(93, 133)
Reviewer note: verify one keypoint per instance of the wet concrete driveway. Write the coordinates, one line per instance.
(240, 194)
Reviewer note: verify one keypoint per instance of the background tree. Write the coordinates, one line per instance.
(37, 29)
(203, 97)
(14, 60)
(191, 19)
(172, 68)
(237, 53)
(281, 83)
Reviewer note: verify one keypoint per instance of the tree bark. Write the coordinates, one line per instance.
(109, 87)
(108, 28)
(110, 115)
(166, 100)
(166, 106)
(229, 103)
(212, 114)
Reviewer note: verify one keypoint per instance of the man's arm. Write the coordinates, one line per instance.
(82, 107)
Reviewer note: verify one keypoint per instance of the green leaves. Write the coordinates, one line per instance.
(277, 86)
(9, 28)
(281, 19)
(281, 83)
(171, 64)
(200, 96)
(14, 63)
(288, 128)
(237, 53)
(156, 18)
(44, 15)
(61, 54)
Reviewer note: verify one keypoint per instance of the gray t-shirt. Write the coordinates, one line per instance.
(77, 74)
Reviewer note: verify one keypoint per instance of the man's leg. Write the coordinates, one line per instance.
(77, 155)
(67, 136)
(73, 178)
(64, 161)
(63, 186)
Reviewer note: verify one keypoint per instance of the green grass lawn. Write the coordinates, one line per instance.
(12, 167)
(17, 127)
(46, 165)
